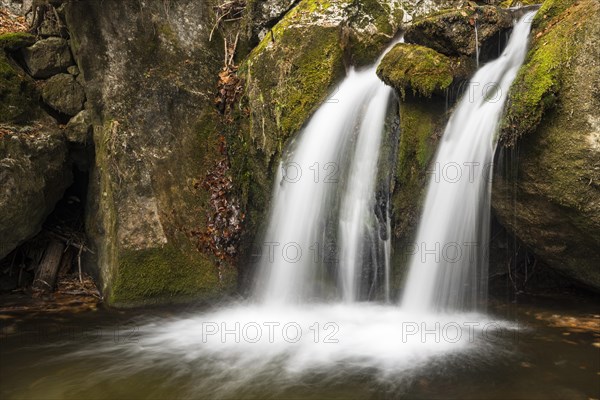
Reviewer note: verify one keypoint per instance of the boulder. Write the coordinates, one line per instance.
(546, 187)
(79, 128)
(453, 33)
(156, 139)
(421, 70)
(64, 94)
(47, 57)
(34, 173)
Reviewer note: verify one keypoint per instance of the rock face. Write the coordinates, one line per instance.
(547, 191)
(34, 172)
(453, 33)
(47, 57)
(150, 75)
(64, 94)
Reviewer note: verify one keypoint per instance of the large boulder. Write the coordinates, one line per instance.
(150, 74)
(547, 189)
(34, 173)
(64, 94)
(47, 57)
(462, 32)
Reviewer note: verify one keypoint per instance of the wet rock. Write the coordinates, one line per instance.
(64, 94)
(453, 33)
(47, 57)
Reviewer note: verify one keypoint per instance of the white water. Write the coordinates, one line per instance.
(272, 345)
(332, 164)
(449, 267)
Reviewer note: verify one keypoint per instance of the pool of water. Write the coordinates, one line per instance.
(534, 350)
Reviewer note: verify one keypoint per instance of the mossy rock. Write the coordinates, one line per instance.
(548, 190)
(421, 70)
(18, 94)
(421, 124)
(15, 40)
(539, 81)
(157, 136)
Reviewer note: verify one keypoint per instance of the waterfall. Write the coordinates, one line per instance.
(325, 190)
(448, 269)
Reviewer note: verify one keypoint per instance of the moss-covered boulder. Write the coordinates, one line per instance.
(150, 75)
(453, 33)
(421, 70)
(64, 94)
(547, 189)
(34, 173)
(47, 57)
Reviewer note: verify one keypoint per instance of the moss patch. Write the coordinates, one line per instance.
(540, 79)
(163, 275)
(420, 69)
(16, 40)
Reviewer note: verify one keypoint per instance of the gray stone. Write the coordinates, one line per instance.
(47, 57)
(64, 94)
(79, 127)
(34, 173)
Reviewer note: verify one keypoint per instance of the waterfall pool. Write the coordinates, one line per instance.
(353, 351)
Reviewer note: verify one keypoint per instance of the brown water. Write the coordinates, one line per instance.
(554, 355)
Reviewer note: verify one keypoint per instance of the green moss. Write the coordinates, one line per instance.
(18, 96)
(539, 80)
(15, 40)
(419, 69)
(163, 275)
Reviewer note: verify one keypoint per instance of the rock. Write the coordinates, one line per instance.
(34, 173)
(18, 94)
(409, 67)
(79, 128)
(453, 33)
(547, 191)
(155, 135)
(64, 94)
(47, 57)
(16, 40)
(73, 70)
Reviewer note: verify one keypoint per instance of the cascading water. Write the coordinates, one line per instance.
(268, 347)
(449, 268)
(344, 135)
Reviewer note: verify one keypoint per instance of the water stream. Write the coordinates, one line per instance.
(449, 269)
